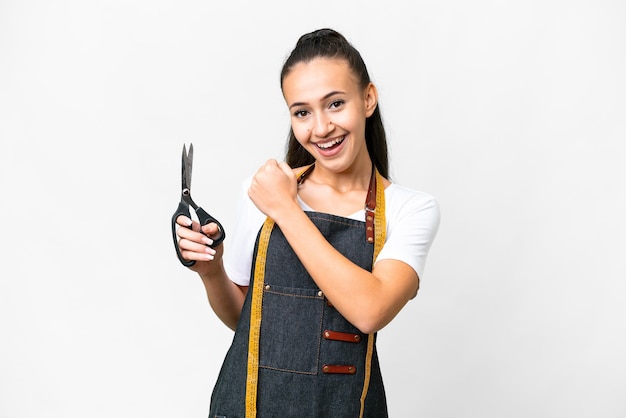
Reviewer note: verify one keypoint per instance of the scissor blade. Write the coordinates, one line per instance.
(189, 165)
(183, 176)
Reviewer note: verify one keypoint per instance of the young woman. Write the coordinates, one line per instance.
(325, 251)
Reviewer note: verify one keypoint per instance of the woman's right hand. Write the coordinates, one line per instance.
(194, 245)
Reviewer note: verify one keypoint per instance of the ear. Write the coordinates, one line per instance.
(371, 99)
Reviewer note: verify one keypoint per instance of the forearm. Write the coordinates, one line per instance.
(225, 297)
(368, 300)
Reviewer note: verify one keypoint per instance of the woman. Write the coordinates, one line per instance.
(307, 294)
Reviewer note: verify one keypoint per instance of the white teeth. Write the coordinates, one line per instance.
(331, 143)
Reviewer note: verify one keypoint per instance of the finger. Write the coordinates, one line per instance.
(188, 223)
(194, 236)
(194, 251)
(212, 230)
(193, 256)
(182, 220)
(286, 169)
(269, 165)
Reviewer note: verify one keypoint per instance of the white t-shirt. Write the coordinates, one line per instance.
(412, 223)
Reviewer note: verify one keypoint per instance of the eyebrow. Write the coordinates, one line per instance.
(326, 96)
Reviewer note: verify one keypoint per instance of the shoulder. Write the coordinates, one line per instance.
(404, 201)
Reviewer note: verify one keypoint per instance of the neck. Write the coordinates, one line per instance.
(355, 178)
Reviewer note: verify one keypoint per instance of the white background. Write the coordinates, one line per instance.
(513, 114)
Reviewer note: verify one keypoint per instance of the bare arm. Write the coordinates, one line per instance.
(225, 297)
(369, 300)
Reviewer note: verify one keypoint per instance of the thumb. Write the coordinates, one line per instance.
(286, 169)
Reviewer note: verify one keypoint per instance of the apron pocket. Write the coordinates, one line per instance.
(291, 329)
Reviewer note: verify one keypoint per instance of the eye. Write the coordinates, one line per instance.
(300, 113)
(336, 104)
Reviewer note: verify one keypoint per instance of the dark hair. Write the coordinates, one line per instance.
(327, 43)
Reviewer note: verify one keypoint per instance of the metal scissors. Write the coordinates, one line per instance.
(186, 201)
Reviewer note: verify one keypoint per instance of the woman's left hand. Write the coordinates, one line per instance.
(273, 189)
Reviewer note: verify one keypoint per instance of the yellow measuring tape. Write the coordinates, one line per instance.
(380, 230)
(255, 319)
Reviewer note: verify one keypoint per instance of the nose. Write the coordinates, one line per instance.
(323, 125)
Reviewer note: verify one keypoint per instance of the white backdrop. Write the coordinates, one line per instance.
(511, 113)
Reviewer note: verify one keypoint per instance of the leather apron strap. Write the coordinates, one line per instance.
(375, 233)
(379, 233)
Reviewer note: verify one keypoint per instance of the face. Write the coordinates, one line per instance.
(328, 111)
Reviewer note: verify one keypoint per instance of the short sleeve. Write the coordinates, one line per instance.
(239, 250)
(413, 219)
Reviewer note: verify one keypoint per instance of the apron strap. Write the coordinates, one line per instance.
(378, 234)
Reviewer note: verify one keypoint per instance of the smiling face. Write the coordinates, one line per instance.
(328, 110)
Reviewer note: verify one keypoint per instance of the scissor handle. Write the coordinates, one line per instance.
(204, 218)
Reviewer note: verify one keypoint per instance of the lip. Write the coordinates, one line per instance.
(333, 146)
